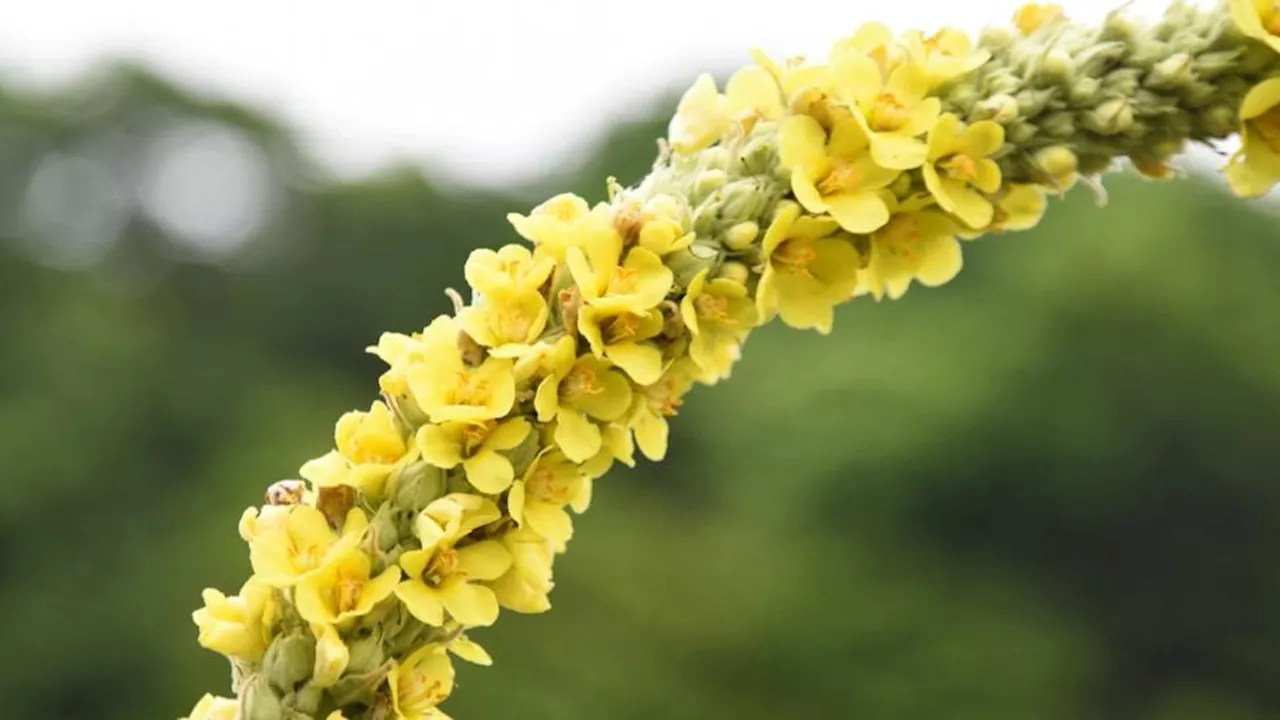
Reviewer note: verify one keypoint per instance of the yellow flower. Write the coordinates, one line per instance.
(944, 55)
(805, 88)
(718, 314)
(1258, 19)
(577, 390)
(420, 683)
(511, 269)
(1255, 167)
(624, 338)
(562, 222)
(1032, 16)
(638, 284)
(616, 444)
(369, 448)
(447, 388)
(237, 626)
(212, 707)
(657, 402)
(835, 175)
(895, 112)
(506, 322)
(332, 655)
(915, 245)
(449, 519)
(703, 115)
(1017, 207)
(399, 352)
(525, 586)
(302, 545)
(659, 225)
(959, 172)
(448, 579)
(477, 447)
(343, 589)
(539, 498)
(871, 40)
(808, 269)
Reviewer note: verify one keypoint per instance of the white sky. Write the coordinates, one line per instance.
(490, 90)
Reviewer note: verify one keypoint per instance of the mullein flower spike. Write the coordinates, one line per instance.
(799, 187)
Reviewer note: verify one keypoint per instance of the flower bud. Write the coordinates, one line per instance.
(1170, 72)
(743, 200)
(417, 485)
(1219, 120)
(761, 152)
(996, 37)
(687, 263)
(734, 271)
(1119, 27)
(1112, 117)
(1002, 108)
(306, 701)
(715, 158)
(741, 236)
(1058, 125)
(1056, 65)
(1058, 163)
(708, 181)
(365, 653)
(259, 702)
(289, 660)
(1084, 91)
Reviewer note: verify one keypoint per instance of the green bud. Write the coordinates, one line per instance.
(1058, 162)
(1056, 65)
(1001, 107)
(1020, 132)
(760, 155)
(708, 181)
(417, 485)
(1219, 120)
(715, 158)
(1171, 72)
(901, 185)
(1058, 125)
(258, 702)
(1119, 27)
(365, 653)
(687, 263)
(1031, 102)
(1084, 90)
(289, 659)
(1110, 118)
(741, 236)
(306, 701)
(743, 200)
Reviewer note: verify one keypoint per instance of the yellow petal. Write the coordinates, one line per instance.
(802, 144)
(651, 435)
(980, 139)
(858, 211)
(331, 656)
(489, 472)
(897, 152)
(1260, 98)
(577, 436)
(550, 522)
(422, 602)
(508, 435)
(470, 604)
(440, 445)
(470, 651)
(754, 89)
(485, 560)
(642, 361)
(940, 263)
(943, 136)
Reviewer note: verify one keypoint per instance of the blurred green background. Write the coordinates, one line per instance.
(1045, 491)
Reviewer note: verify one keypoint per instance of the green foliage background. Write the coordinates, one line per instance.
(1048, 490)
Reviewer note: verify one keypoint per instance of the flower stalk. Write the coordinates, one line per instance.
(798, 187)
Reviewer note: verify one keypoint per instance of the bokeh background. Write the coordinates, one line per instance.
(1048, 490)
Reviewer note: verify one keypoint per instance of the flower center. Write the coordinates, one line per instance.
(887, 113)
(473, 436)
(794, 256)
(377, 449)
(712, 307)
(546, 484)
(622, 328)
(901, 238)
(348, 591)
(623, 281)
(662, 399)
(444, 564)
(468, 389)
(417, 691)
(961, 167)
(843, 176)
(582, 381)
(513, 325)
(1267, 126)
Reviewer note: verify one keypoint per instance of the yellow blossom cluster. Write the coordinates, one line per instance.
(798, 187)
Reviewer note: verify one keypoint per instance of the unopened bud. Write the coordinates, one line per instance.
(1058, 125)
(1084, 91)
(1219, 120)
(259, 702)
(743, 200)
(1170, 72)
(708, 181)
(289, 660)
(734, 271)
(365, 653)
(1002, 108)
(741, 236)
(1056, 64)
(1111, 117)
(417, 485)
(1119, 27)
(1033, 16)
(901, 186)
(1058, 163)
(996, 37)
(687, 263)
(306, 701)
(715, 158)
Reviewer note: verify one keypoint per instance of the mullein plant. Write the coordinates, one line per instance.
(797, 187)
